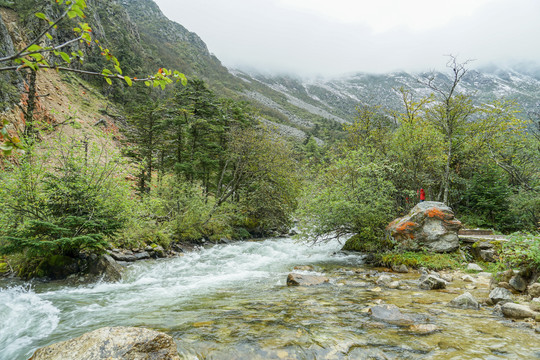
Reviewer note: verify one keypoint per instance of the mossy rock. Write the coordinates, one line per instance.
(432, 261)
(57, 267)
(3, 268)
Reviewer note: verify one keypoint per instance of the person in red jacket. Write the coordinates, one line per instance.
(422, 195)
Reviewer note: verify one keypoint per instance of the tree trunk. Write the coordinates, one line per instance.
(447, 172)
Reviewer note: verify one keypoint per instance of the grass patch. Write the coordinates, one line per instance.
(366, 243)
(420, 259)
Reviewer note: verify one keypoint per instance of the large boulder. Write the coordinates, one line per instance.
(113, 343)
(429, 225)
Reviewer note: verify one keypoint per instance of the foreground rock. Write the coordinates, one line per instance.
(465, 301)
(390, 314)
(518, 311)
(430, 225)
(431, 282)
(534, 290)
(112, 343)
(295, 279)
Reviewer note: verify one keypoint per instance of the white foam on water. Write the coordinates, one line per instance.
(25, 318)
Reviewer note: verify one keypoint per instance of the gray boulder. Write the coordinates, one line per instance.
(465, 301)
(500, 295)
(519, 283)
(517, 311)
(429, 225)
(295, 279)
(107, 268)
(390, 314)
(474, 267)
(432, 282)
(534, 290)
(112, 343)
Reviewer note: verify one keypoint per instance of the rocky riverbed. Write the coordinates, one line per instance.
(232, 301)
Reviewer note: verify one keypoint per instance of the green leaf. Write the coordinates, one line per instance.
(108, 81)
(34, 48)
(128, 80)
(49, 36)
(65, 57)
(41, 16)
(147, 83)
(72, 14)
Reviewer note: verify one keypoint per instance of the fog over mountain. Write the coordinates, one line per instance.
(313, 37)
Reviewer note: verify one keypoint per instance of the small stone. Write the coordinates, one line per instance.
(500, 295)
(465, 301)
(537, 330)
(384, 280)
(470, 287)
(517, 311)
(424, 329)
(474, 267)
(467, 278)
(400, 269)
(534, 290)
(391, 314)
(394, 284)
(446, 277)
(142, 255)
(535, 304)
(432, 282)
(295, 279)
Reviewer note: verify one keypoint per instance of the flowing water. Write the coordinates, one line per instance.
(232, 302)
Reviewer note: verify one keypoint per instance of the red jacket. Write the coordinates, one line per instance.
(422, 194)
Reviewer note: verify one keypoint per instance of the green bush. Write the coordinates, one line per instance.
(63, 208)
(521, 251)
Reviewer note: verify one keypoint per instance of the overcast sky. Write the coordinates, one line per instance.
(331, 37)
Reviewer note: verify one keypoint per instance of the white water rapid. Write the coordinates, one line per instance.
(162, 294)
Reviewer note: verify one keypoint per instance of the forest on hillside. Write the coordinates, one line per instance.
(190, 162)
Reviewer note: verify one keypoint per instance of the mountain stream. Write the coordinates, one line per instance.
(232, 302)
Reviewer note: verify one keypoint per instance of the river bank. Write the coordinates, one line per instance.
(231, 301)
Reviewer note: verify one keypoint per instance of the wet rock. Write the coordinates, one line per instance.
(107, 268)
(113, 343)
(120, 256)
(517, 311)
(504, 276)
(500, 295)
(535, 304)
(465, 301)
(467, 278)
(474, 267)
(304, 268)
(497, 310)
(384, 280)
(446, 277)
(518, 282)
(142, 255)
(432, 282)
(390, 314)
(430, 225)
(537, 330)
(403, 269)
(534, 290)
(295, 279)
(424, 329)
(394, 285)
(159, 251)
